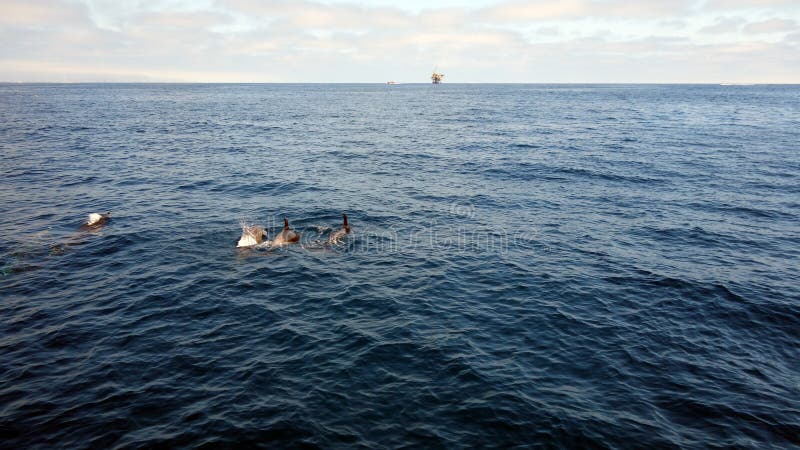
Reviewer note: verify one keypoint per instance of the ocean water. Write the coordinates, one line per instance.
(558, 266)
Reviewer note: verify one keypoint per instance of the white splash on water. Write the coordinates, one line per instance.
(94, 218)
(252, 235)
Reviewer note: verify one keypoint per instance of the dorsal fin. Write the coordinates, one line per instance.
(286, 224)
(345, 225)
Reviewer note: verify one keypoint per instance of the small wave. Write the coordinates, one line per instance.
(744, 211)
(527, 171)
(591, 174)
(522, 146)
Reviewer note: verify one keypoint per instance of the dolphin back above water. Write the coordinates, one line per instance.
(95, 221)
(286, 236)
(340, 234)
(251, 235)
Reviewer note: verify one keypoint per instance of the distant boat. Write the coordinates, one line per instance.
(436, 77)
(391, 82)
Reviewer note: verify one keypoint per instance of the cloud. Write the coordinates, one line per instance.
(747, 4)
(771, 26)
(725, 25)
(82, 72)
(279, 40)
(304, 14)
(538, 10)
(191, 20)
(41, 13)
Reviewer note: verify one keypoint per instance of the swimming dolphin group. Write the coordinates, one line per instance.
(253, 235)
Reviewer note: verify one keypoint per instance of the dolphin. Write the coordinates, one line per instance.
(96, 221)
(340, 234)
(252, 235)
(286, 236)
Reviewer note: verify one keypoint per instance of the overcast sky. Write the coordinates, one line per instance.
(566, 41)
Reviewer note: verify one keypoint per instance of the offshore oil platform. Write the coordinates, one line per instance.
(436, 77)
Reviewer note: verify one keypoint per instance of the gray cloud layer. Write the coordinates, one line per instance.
(275, 40)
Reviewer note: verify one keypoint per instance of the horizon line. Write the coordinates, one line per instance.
(394, 83)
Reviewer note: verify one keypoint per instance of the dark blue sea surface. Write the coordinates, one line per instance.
(561, 266)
